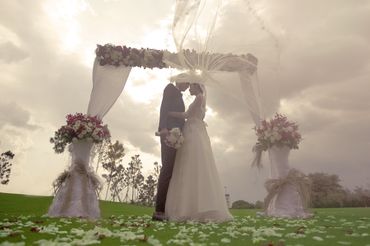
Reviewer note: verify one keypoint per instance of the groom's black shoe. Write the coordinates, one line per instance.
(158, 216)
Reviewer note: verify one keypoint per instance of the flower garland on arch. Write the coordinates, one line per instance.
(116, 55)
(131, 57)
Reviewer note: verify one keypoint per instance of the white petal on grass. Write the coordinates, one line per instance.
(344, 243)
(77, 232)
(225, 240)
(50, 229)
(153, 241)
(317, 238)
(6, 243)
(258, 239)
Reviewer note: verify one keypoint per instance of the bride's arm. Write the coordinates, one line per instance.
(181, 115)
(184, 115)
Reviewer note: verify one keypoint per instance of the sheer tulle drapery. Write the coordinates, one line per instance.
(191, 16)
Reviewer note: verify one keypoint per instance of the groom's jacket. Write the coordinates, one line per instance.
(171, 102)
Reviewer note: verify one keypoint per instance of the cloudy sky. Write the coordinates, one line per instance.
(314, 61)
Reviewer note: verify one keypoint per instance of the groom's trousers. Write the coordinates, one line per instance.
(168, 156)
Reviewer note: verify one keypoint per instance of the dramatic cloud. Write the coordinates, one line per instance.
(12, 114)
(11, 53)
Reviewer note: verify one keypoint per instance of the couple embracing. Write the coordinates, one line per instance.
(189, 188)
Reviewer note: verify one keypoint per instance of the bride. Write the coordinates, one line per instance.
(195, 191)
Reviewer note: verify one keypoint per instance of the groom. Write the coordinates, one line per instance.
(171, 101)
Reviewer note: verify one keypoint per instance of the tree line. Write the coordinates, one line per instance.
(125, 183)
(5, 166)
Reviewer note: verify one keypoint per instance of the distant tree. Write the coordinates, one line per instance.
(259, 204)
(241, 204)
(156, 171)
(5, 166)
(117, 183)
(359, 197)
(134, 178)
(148, 188)
(147, 191)
(100, 150)
(326, 190)
(111, 158)
(126, 183)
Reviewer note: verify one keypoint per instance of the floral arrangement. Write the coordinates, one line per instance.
(123, 55)
(175, 138)
(279, 132)
(79, 127)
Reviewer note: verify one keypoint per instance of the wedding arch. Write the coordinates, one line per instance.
(76, 196)
(113, 65)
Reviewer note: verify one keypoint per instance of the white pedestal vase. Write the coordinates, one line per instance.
(76, 195)
(288, 189)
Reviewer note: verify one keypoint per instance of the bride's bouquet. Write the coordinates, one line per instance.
(79, 127)
(279, 132)
(175, 138)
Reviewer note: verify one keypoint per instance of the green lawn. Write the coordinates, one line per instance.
(22, 220)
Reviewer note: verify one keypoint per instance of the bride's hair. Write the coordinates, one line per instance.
(198, 87)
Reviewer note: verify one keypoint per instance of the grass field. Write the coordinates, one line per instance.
(22, 222)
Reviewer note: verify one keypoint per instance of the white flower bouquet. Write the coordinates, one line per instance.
(174, 139)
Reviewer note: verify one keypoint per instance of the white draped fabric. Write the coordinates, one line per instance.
(250, 90)
(77, 195)
(287, 188)
(108, 83)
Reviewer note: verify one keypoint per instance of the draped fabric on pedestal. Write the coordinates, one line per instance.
(288, 189)
(76, 195)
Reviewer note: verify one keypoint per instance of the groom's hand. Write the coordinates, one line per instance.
(164, 132)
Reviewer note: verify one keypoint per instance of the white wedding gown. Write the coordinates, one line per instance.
(195, 191)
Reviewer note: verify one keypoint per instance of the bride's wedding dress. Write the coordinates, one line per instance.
(195, 191)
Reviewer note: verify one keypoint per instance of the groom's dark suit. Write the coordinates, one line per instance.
(172, 101)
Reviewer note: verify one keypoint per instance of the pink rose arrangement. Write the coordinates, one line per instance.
(79, 127)
(279, 132)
